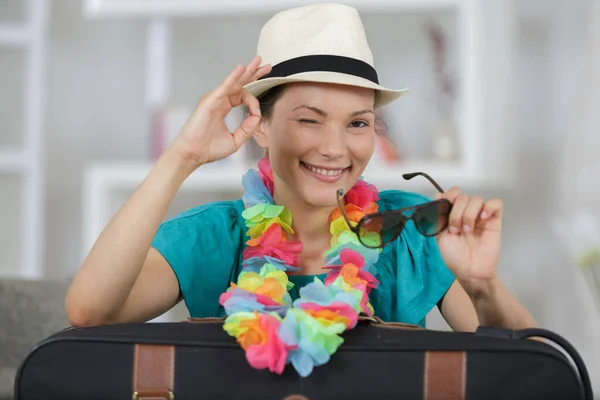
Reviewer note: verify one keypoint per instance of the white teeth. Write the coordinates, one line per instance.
(324, 171)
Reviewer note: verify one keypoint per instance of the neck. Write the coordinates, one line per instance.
(310, 224)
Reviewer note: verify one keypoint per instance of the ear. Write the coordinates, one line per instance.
(261, 134)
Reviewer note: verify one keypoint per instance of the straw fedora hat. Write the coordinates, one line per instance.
(318, 43)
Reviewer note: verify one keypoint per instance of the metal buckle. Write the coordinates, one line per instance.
(136, 396)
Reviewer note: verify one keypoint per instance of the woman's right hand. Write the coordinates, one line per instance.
(205, 138)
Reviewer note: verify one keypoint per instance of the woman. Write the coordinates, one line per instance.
(318, 92)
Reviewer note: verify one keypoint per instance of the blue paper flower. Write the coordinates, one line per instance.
(240, 300)
(255, 264)
(255, 190)
(312, 342)
(332, 257)
(317, 292)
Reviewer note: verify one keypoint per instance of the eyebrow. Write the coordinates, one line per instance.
(324, 114)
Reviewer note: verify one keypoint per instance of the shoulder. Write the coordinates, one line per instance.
(396, 199)
(214, 212)
(207, 226)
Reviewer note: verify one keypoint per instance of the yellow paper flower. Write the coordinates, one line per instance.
(273, 284)
(327, 317)
(338, 226)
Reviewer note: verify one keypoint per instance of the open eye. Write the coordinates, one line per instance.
(359, 124)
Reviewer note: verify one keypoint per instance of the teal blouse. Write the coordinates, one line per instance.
(204, 247)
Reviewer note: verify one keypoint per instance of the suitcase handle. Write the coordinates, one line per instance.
(554, 337)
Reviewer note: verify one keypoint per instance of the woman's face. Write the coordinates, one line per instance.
(320, 138)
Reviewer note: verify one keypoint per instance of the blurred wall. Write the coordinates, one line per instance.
(96, 111)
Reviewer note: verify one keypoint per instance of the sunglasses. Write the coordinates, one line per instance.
(379, 229)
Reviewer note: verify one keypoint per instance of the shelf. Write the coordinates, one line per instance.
(12, 160)
(198, 8)
(13, 35)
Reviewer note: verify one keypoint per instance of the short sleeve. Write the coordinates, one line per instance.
(412, 272)
(202, 246)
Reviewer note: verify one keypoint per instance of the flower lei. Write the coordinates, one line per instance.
(273, 330)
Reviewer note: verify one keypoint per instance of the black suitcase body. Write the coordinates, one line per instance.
(198, 360)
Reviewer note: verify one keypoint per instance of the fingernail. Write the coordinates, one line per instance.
(466, 228)
(484, 214)
(453, 229)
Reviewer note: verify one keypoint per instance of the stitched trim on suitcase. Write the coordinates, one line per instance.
(210, 320)
(379, 323)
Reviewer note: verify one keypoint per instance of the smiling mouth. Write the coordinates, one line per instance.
(325, 172)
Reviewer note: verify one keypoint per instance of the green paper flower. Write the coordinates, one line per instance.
(261, 216)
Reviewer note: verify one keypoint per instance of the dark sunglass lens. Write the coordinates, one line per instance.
(370, 231)
(382, 229)
(432, 218)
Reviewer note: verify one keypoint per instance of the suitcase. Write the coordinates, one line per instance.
(197, 359)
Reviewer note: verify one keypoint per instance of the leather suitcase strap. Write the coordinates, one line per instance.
(445, 375)
(153, 372)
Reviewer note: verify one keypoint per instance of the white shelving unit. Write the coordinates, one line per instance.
(27, 160)
(485, 51)
(13, 35)
(202, 8)
(13, 161)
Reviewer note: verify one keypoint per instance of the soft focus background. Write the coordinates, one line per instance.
(502, 103)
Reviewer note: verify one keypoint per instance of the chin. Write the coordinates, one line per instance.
(321, 200)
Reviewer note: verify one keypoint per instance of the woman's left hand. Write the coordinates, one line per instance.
(470, 245)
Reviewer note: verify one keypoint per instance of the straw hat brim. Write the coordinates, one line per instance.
(383, 96)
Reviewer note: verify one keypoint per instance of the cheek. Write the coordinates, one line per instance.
(362, 147)
(289, 140)
(283, 148)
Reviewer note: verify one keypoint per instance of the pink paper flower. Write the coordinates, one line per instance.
(352, 271)
(272, 243)
(350, 256)
(365, 306)
(266, 173)
(264, 348)
(362, 194)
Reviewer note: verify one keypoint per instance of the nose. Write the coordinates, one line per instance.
(333, 143)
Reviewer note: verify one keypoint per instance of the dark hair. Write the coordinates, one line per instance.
(268, 99)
